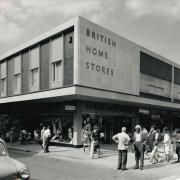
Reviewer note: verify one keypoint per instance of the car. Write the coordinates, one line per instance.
(11, 169)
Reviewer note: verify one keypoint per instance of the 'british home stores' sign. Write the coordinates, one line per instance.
(106, 60)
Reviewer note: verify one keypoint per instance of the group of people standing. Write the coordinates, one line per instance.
(144, 142)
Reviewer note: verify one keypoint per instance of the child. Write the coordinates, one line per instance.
(155, 157)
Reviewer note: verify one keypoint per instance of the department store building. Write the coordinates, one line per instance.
(80, 70)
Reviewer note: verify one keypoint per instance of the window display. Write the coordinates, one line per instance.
(62, 129)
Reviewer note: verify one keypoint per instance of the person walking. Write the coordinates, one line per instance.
(155, 157)
(153, 137)
(167, 144)
(42, 136)
(139, 147)
(11, 135)
(86, 138)
(95, 142)
(23, 136)
(122, 139)
(47, 136)
(176, 139)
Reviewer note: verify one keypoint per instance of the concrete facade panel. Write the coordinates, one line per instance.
(68, 58)
(152, 85)
(25, 72)
(106, 60)
(176, 91)
(44, 66)
(10, 77)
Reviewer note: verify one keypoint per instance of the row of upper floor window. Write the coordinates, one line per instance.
(157, 68)
(56, 60)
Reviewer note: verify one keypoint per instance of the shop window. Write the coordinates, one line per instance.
(61, 127)
(57, 71)
(35, 77)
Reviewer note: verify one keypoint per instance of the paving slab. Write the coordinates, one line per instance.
(108, 157)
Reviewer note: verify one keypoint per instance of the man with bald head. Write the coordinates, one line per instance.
(139, 147)
(122, 139)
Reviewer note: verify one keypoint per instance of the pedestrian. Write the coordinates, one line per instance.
(29, 136)
(11, 135)
(122, 139)
(139, 147)
(152, 137)
(95, 142)
(85, 137)
(167, 144)
(42, 136)
(47, 136)
(155, 157)
(176, 139)
(23, 136)
(36, 136)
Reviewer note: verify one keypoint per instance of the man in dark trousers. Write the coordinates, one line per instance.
(47, 136)
(122, 139)
(139, 147)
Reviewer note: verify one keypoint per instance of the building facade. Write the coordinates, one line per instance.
(81, 72)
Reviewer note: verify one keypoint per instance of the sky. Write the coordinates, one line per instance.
(154, 24)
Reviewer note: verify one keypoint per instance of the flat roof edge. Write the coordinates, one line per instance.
(41, 37)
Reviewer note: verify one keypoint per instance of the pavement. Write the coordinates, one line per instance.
(107, 159)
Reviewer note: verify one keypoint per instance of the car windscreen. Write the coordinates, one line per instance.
(2, 150)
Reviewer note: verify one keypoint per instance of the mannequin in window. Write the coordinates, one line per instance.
(59, 130)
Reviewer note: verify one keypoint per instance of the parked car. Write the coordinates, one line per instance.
(11, 169)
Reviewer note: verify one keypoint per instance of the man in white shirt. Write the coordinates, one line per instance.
(139, 147)
(46, 136)
(122, 139)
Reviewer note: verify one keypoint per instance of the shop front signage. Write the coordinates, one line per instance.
(107, 108)
(70, 108)
(106, 60)
(144, 111)
(155, 116)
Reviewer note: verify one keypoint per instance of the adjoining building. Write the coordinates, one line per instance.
(80, 71)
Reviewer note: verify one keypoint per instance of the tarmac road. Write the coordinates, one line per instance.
(45, 168)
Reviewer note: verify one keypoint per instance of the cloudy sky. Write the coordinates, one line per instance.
(154, 24)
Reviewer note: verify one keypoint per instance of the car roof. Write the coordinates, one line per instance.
(2, 141)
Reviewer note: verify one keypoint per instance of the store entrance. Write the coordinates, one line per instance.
(108, 124)
(112, 125)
